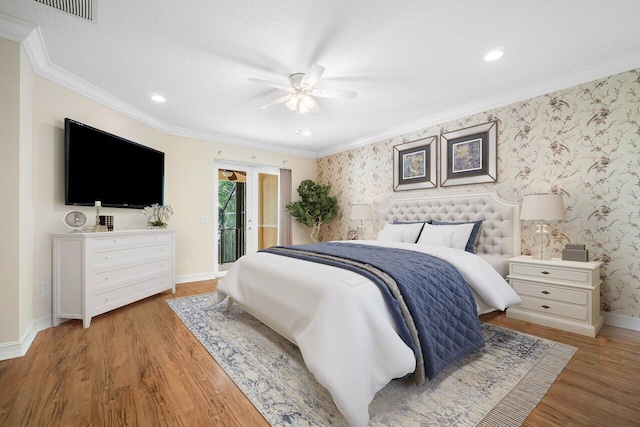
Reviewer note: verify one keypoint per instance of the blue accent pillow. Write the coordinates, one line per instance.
(473, 237)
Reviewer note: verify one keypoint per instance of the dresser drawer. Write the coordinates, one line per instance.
(106, 300)
(154, 238)
(101, 280)
(114, 241)
(550, 293)
(556, 308)
(550, 273)
(106, 258)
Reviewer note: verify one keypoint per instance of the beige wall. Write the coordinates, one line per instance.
(27, 285)
(583, 142)
(9, 190)
(189, 177)
(32, 113)
(190, 190)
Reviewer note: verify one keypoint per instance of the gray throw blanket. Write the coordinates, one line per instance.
(430, 301)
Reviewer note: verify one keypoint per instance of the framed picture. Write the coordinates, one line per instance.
(415, 164)
(352, 235)
(470, 155)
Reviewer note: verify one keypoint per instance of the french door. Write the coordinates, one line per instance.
(248, 205)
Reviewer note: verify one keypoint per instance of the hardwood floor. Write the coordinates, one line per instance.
(139, 366)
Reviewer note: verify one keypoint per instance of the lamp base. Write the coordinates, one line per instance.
(541, 240)
(361, 230)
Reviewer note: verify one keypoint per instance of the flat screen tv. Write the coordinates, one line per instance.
(103, 167)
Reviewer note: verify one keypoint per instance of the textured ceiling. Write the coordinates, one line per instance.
(410, 61)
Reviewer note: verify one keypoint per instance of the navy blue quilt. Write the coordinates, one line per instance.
(436, 294)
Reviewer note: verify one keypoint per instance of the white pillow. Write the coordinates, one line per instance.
(411, 231)
(459, 237)
(441, 238)
(391, 236)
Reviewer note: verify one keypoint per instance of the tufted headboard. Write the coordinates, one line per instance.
(500, 232)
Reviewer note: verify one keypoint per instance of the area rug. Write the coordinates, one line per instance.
(498, 385)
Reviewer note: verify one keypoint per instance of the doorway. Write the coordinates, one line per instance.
(248, 202)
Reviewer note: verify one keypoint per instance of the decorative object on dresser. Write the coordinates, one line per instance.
(352, 234)
(415, 165)
(107, 221)
(542, 207)
(575, 252)
(361, 212)
(74, 220)
(556, 293)
(94, 273)
(470, 155)
(157, 215)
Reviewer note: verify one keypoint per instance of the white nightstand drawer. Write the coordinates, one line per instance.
(550, 273)
(556, 308)
(550, 293)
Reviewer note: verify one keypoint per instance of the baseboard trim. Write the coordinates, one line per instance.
(195, 278)
(622, 321)
(13, 349)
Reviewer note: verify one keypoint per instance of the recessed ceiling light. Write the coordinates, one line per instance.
(493, 55)
(158, 98)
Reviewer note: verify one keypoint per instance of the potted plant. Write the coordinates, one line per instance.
(315, 206)
(157, 216)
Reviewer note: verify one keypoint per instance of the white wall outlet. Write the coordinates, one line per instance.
(193, 258)
(45, 288)
(204, 220)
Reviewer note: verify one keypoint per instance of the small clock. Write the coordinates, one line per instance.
(74, 220)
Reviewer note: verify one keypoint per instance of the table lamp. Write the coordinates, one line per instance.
(543, 208)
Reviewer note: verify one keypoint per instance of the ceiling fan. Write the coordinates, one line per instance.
(302, 92)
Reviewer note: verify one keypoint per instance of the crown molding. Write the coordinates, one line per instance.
(598, 71)
(14, 29)
(232, 140)
(30, 37)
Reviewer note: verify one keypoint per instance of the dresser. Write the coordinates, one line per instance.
(94, 273)
(556, 293)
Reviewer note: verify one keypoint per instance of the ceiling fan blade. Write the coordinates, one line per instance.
(272, 84)
(334, 93)
(276, 102)
(312, 76)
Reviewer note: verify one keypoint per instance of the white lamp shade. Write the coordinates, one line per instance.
(361, 212)
(546, 207)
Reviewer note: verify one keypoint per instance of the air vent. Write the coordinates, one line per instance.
(81, 8)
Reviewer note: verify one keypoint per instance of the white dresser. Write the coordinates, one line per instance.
(98, 272)
(556, 293)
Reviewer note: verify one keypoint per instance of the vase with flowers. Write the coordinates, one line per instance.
(157, 216)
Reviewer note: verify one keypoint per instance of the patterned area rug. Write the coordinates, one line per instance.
(498, 385)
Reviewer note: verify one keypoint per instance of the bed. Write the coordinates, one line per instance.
(341, 320)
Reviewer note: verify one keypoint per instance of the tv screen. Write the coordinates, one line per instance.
(103, 167)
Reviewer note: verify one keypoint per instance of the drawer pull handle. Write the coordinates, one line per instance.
(106, 258)
(106, 277)
(545, 292)
(545, 272)
(545, 306)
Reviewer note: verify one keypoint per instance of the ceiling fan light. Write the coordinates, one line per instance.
(307, 102)
(292, 103)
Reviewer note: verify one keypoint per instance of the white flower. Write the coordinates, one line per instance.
(158, 215)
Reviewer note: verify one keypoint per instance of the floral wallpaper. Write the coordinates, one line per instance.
(583, 142)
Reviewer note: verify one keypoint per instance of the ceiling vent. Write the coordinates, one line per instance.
(81, 8)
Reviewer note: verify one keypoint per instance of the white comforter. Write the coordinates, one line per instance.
(339, 319)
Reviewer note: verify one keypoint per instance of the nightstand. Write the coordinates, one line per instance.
(556, 293)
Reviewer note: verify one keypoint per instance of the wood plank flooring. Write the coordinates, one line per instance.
(139, 366)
